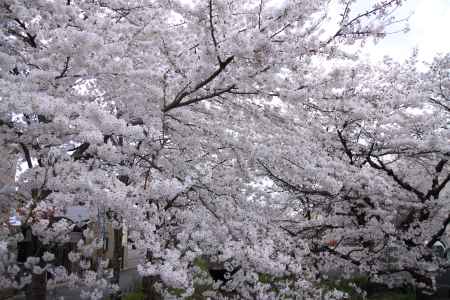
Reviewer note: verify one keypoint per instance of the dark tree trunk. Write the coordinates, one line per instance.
(148, 283)
(37, 289)
(148, 288)
(117, 260)
(32, 247)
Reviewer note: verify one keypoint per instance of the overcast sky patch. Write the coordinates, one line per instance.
(429, 29)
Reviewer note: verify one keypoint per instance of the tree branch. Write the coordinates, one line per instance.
(211, 26)
(26, 152)
(78, 153)
(64, 70)
(292, 187)
(29, 39)
(259, 14)
(347, 150)
(447, 108)
(406, 186)
(177, 102)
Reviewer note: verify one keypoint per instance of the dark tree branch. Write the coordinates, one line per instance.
(259, 14)
(78, 153)
(64, 70)
(437, 187)
(346, 12)
(355, 20)
(171, 202)
(347, 150)
(205, 97)
(291, 187)
(222, 67)
(435, 101)
(28, 38)
(290, 232)
(177, 102)
(403, 184)
(151, 162)
(440, 232)
(280, 30)
(26, 152)
(336, 253)
(211, 25)
(319, 229)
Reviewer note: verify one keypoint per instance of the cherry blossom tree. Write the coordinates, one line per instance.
(162, 113)
(372, 180)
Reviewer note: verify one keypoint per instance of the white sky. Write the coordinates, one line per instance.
(430, 32)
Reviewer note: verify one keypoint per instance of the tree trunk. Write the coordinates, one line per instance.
(37, 289)
(148, 288)
(148, 283)
(32, 247)
(117, 260)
